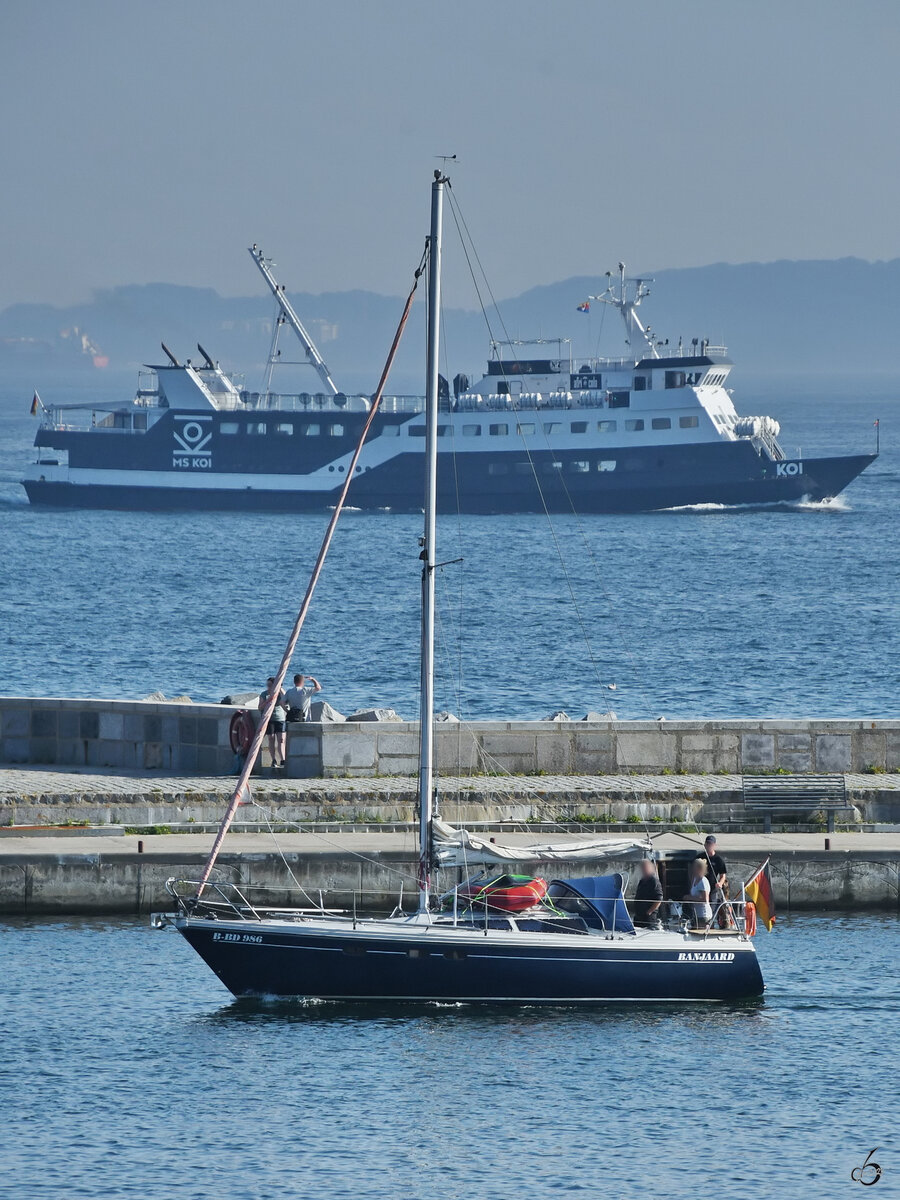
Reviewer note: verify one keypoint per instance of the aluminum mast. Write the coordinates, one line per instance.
(426, 704)
(290, 315)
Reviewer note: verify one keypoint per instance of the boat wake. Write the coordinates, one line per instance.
(804, 504)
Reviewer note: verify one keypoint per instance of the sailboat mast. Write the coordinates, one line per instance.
(426, 705)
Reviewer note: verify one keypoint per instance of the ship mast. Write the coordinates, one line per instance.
(289, 314)
(634, 329)
(427, 542)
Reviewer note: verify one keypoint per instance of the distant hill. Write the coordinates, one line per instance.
(816, 320)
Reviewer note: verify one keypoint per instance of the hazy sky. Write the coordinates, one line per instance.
(153, 141)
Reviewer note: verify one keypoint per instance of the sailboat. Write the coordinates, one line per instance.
(576, 944)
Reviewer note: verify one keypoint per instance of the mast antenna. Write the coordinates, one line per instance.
(288, 312)
(619, 298)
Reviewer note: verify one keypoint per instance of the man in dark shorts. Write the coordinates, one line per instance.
(718, 881)
(276, 728)
(648, 896)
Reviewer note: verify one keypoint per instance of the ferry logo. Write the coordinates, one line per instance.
(789, 468)
(705, 956)
(192, 441)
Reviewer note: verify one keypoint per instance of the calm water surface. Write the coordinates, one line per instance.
(128, 1072)
(788, 612)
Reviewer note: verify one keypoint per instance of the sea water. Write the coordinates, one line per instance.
(710, 612)
(129, 1072)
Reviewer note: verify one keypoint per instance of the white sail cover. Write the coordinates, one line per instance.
(459, 848)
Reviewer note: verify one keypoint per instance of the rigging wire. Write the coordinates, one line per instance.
(461, 225)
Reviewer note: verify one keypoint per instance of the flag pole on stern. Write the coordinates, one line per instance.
(758, 889)
(242, 786)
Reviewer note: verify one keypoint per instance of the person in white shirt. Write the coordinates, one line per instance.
(698, 896)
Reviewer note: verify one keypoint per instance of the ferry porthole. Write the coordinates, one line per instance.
(340, 468)
(331, 468)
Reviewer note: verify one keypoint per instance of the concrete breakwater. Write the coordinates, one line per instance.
(128, 875)
(193, 739)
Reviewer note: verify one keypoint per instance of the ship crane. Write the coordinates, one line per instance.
(289, 314)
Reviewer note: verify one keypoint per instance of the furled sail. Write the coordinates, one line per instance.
(460, 848)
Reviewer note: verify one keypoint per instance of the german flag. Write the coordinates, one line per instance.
(759, 889)
(35, 403)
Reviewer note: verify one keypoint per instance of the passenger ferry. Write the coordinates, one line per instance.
(540, 430)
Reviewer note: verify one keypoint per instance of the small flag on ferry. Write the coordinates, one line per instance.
(758, 889)
(35, 404)
(586, 307)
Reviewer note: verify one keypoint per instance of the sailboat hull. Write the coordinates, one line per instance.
(374, 962)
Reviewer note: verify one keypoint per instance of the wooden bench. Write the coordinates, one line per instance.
(794, 794)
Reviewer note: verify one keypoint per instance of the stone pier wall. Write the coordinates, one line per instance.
(193, 739)
(139, 734)
(616, 747)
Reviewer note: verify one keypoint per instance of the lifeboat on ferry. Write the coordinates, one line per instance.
(509, 893)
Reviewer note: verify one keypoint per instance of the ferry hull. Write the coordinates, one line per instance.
(475, 967)
(727, 474)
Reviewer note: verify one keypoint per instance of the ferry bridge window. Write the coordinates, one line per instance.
(498, 430)
(228, 427)
(523, 468)
(641, 383)
(256, 427)
(551, 468)
(634, 426)
(416, 431)
(391, 431)
(606, 427)
(552, 426)
(689, 422)
(661, 423)
(310, 430)
(606, 464)
(336, 430)
(578, 426)
(140, 421)
(471, 431)
(444, 430)
(527, 428)
(579, 467)
(619, 399)
(675, 379)
(498, 468)
(284, 428)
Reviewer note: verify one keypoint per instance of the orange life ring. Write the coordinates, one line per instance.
(241, 731)
(750, 918)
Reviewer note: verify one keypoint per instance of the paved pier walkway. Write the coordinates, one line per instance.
(40, 781)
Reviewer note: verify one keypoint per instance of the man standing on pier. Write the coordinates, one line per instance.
(299, 697)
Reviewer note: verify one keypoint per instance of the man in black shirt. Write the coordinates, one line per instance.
(648, 895)
(718, 881)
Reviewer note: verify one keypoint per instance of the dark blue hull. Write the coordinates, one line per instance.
(291, 961)
(717, 473)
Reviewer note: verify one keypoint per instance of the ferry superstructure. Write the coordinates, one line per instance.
(541, 429)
